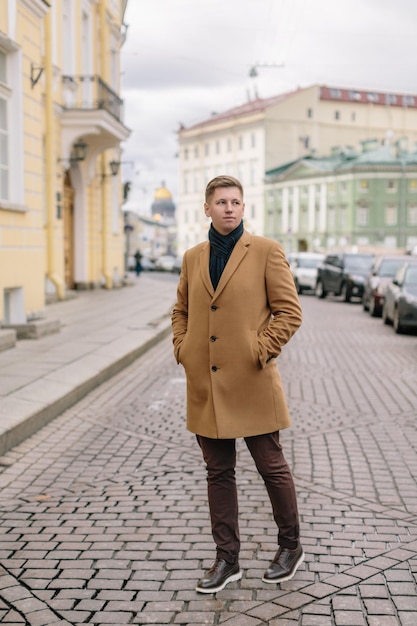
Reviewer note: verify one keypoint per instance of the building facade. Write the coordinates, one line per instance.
(263, 134)
(61, 125)
(346, 200)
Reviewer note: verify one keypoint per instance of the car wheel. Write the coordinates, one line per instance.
(396, 322)
(319, 290)
(385, 317)
(345, 293)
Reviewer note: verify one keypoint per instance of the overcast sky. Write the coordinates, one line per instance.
(184, 59)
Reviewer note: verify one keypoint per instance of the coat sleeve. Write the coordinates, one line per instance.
(283, 301)
(179, 317)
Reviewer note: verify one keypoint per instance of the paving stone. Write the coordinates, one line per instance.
(103, 513)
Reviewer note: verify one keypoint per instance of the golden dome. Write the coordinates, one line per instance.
(162, 193)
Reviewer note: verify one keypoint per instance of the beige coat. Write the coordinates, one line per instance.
(227, 339)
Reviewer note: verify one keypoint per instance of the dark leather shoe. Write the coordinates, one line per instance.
(284, 565)
(219, 575)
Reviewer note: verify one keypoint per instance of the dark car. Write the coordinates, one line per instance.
(382, 272)
(400, 305)
(343, 274)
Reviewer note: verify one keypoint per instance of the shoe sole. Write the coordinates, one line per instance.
(231, 579)
(288, 576)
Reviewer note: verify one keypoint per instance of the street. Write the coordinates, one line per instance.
(103, 512)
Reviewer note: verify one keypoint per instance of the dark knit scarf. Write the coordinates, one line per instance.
(221, 247)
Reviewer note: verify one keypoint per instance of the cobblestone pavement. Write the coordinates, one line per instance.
(103, 513)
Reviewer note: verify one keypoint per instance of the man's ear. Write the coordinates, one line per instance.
(206, 208)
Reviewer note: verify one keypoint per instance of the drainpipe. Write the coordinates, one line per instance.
(108, 280)
(50, 162)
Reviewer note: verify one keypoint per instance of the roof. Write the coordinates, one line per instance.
(336, 94)
(386, 155)
(253, 106)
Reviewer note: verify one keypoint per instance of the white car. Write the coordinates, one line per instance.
(304, 269)
(165, 263)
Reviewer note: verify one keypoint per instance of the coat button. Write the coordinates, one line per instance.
(213, 368)
(213, 338)
(214, 308)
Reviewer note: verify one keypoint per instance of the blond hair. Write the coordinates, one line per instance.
(222, 181)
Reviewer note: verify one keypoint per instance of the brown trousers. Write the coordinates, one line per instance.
(220, 458)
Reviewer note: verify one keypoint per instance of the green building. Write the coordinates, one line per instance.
(349, 199)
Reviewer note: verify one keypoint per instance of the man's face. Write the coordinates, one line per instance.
(225, 209)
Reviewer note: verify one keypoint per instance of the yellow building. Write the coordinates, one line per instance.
(61, 125)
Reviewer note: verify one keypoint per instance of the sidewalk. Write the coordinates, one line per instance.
(101, 332)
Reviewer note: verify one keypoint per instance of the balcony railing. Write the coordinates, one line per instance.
(90, 92)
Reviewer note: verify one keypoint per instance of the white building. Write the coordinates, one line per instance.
(260, 135)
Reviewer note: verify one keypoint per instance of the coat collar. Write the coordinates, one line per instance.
(239, 252)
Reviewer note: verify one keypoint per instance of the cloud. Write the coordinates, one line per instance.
(184, 59)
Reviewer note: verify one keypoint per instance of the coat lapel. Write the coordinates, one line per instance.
(204, 268)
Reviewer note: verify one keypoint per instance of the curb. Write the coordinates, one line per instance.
(34, 422)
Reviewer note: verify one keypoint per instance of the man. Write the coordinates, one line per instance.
(236, 308)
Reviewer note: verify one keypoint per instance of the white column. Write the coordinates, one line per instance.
(311, 207)
(323, 208)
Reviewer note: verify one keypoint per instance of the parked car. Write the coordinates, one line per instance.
(177, 265)
(400, 304)
(304, 269)
(382, 272)
(147, 264)
(165, 263)
(343, 274)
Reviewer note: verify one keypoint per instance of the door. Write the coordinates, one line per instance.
(68, 228)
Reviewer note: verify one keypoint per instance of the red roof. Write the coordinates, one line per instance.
(335, 94)
(253, 106)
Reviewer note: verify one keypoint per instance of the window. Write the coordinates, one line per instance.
(413, 186)
(253, 140)
(196, 152)
(364, 185)
(362, 216)
(229, 144)
(343, 187)
(240, 142)
(309, 112)
(391, 185)
(332, 218)
(337, 115)
(206, 149)
(353, 116)
(4, 130)
(372, 97)
(409, 101)
(335, 93)
(4, 152)
(185, 154)
(412, 215)
(252, 211)
(217, 147)
(12, 188)
(355, 95)
(343, 218)
(391, 215)
(331, 187)
(390, 98)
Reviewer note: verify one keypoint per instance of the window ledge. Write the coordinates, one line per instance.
(9, 206)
